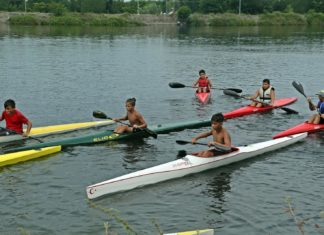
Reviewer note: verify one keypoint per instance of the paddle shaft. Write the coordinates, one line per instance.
(217, 146)
(180, 85)
(233, 93)
(30, 137)
(102, 115)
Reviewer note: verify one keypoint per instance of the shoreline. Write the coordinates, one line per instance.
(194, 20)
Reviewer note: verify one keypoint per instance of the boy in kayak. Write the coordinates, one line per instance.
(14, 120)
(203, 84)
(266, 94)
(221, 137)
(317, 118)
(135, 119)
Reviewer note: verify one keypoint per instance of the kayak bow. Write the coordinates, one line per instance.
(203, 97)
(190, 164)
(55, 129)
(13, 158)
(303, 127)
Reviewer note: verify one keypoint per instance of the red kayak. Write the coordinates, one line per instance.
(303, 127)
(203, 97)
(246, 110)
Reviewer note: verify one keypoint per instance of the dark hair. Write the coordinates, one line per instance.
(266, 81)
(10, 103)
(217, 117)
(202, 71)
(132, 101)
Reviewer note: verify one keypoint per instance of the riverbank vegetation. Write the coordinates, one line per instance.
(142, 12)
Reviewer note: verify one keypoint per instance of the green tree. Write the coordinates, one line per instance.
(96, 6)
(183, 14)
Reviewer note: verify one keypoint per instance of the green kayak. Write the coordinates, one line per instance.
(109, 135)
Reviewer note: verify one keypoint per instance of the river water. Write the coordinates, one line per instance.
(60, 75)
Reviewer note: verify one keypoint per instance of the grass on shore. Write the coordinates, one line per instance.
(195, 20)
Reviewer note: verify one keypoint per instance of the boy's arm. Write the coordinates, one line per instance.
(29, 126)
(202, 135)
(311, 106)
(141, 120)
(272, 96)
(256, 95)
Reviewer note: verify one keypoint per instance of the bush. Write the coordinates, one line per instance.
(314, 18)
(278, 18)
(65, 20)
(24, 20)
(58, 9)
(183, 14)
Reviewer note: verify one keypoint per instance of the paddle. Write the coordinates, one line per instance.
(102, 115)
(180, 85)
(234, 94)
(217, 146)
(299, 87)
(16, 133)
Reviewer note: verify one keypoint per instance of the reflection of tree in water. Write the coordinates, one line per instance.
(134, 150)
(217, 187)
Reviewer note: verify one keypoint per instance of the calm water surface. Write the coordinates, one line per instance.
(60, 75)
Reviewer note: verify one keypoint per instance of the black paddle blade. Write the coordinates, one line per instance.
(231, 93)
(176, 85)
(151, 133)
(182, 142)
(99, 114)
(182, 153)
(289, 111)
(299, 87)
(234, 89)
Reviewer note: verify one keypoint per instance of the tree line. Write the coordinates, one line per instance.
(162, 6)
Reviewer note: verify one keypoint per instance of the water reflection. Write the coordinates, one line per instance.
(217, 188)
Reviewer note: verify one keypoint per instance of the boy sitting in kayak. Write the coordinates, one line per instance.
(14, 120)
(220, 135)
(266, 94)
(203, 84)
(135, 119)
(317, 118)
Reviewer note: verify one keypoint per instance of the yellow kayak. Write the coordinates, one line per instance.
(13, 158)
(200, 232)
(55, 129)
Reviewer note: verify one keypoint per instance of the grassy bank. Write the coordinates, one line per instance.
(195, 20)
(75, 19)
(270, 19)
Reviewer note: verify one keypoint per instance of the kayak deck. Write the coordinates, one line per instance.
(247, 110)
(195, 232)
(55, 129)
(14, 158)
(188, 165)
(203, 97)
(303, 127)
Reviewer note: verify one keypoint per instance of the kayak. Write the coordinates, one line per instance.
(189, 164)
(13, 158)
(247, 110)
(195, 232)
(109, 135)
(303, 127)
(55, 129)
(203, 97)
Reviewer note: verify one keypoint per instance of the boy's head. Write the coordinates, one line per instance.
(265, 84)
(202, 72)
(130, 103)
(217, 120)
(9, 105)
(321, 95)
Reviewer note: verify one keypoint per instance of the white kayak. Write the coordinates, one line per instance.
(195, 232)
(55, 129)
(189, 164)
